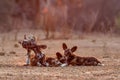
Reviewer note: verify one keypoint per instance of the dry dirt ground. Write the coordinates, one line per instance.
(105, 48)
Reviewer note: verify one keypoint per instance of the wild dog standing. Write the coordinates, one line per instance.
(72, 59)
(30, 45)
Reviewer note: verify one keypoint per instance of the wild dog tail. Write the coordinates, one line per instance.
(99, 63)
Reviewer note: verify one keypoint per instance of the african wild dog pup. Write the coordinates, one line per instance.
(72, 59)
(29, 44)
(55, 62)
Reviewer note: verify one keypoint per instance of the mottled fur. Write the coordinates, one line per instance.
(73, 59)
(30, 45)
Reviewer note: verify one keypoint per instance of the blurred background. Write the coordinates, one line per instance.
(60, 17)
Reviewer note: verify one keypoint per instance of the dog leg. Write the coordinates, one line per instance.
(28, 59)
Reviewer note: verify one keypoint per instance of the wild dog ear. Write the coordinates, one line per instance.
(59, 55)
(42, 46)
(64, 46)
(73, 49)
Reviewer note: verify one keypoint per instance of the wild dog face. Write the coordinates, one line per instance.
(24, 43)
(60, 58)
(67, 51)
(55, 62)
(28, 41)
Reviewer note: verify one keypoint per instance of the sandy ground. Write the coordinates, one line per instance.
(105, 48)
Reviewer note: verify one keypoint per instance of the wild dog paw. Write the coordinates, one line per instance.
(39, 64)
(47, 64)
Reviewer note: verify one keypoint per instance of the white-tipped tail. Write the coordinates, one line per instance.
(63, 65)
(99, 64)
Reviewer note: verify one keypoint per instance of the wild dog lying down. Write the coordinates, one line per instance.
(58, 61)
(30, 45)
(72, 59)
(49, 61)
